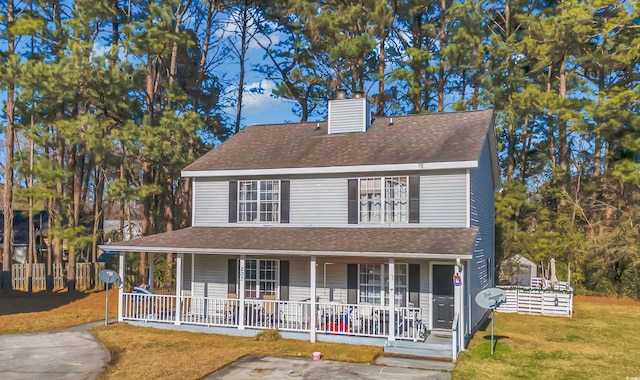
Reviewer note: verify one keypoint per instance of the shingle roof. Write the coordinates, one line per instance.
(431, 138)
(401, 241)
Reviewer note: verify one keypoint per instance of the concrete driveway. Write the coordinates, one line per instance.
(269, 367)
(67, 354)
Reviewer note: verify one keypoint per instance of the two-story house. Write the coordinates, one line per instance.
(361, 230)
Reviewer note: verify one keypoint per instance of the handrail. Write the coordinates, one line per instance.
(454, 336)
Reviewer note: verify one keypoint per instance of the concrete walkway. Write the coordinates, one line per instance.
(65, 354)
(75, 353)
(269, 367)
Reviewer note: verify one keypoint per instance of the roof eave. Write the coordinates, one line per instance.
(333, 169)
(262, 252)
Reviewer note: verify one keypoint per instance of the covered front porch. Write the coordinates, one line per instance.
(348, 297)
(324, 315)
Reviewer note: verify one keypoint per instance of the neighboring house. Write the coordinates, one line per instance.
(352, 230)
(112, 228)
(21, 234)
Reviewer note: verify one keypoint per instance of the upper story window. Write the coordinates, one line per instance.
(384, 200)
(259, 201)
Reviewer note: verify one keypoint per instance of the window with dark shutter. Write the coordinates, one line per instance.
(284, 280)
(232, 276)
(233, 201)
(285, 192)
(353, 201)
(414, 199)
(352, 283)
(414, 284)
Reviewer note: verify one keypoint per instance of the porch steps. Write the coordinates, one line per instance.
(432, 365)
(438, 348)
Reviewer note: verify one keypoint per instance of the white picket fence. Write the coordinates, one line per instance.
(537, 301)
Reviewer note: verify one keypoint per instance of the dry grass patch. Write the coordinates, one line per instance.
(141, 352)
(25, 312)
(602, 340)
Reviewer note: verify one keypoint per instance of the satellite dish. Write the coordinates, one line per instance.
(490, 298)
(108, 276)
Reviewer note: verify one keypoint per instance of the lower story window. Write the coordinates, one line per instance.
(373, 284)
(261, 278)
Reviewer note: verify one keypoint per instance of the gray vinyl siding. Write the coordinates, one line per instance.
(210, 276)
(348, 115)
(211, 202)
(482, 216)
(299, 279)
(318, 201)
(443, 199)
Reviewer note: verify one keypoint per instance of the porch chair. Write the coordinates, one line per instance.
(269, 311)
(230, 308)
(366, 318)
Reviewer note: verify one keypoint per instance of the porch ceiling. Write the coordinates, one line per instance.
(435, 243)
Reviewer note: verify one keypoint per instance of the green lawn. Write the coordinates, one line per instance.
(601, 341)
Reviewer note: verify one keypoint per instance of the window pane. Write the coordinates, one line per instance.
(370, 200)
(268, 277)
(247, 201)
(401, 288)
(250, 279)
(370, 283)
(396, 199)
(269, 201)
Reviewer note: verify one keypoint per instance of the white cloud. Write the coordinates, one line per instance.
(258, 97)
(231, 32)
(259, 106)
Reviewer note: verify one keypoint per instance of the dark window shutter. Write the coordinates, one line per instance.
(232, 275)
(284, 281)
(352, 283)
(285, 192)
(353, 201)
(414, 284)
(414, 199)
(233, 201)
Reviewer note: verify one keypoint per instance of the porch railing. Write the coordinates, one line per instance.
(332, 318)
(149, 307)
(455, 346)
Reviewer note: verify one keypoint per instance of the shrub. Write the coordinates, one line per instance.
(268, 336)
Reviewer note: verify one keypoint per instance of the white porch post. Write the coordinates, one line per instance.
(151, 256)
(461, 328)
(458, 295)
(241, 295)
(392, 300)
(121, 285)
(179, 287)
(312, 288)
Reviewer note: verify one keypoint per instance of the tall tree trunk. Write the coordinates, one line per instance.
(526, 141)
(443, 33)
(551, 134)
(381, 68)
(563, 148)
(98, 212)
(7, 246)
(241, 58)
(168, 214)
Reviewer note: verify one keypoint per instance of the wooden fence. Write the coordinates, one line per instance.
(536, 301)
(86, 276)
(20, 277)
